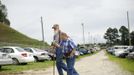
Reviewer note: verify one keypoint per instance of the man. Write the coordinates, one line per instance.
(68, 48)
(59, 55)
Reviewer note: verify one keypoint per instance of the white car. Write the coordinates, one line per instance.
(118, 50)
(39, 55)
(5, 59)
(18, 54)
(77, 53)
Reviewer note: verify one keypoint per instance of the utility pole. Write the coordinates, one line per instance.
(94, 40)
(83, 34)
(42, 29)
(89, 38)
(128, 28)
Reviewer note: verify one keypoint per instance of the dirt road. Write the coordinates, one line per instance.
(97, 64)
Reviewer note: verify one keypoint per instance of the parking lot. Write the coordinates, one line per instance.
(15, 59)
(97, 64)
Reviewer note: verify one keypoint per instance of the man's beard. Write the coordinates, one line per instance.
(55, 32)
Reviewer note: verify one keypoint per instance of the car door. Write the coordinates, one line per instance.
(9, 51)
(2, 54)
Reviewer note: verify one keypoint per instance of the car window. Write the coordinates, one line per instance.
(116, 48)
(29, 50)
(8, 50)
(133, 49)
(1, 50)
(38, 50)
(125, 47)
(20, 49)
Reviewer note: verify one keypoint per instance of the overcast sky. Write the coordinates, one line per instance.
(97, 16)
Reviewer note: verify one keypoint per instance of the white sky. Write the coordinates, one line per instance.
(97, 16)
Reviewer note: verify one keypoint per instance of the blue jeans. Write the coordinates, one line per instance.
(70, 65)
(59, 61)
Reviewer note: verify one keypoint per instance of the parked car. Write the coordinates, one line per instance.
(18, 54)
(110, 50)
(92, 50)
(52, 56)
(39, 55)
(5, 59)
(77, 53)
(125, 53)
(130, 55)
(97, 48)
(119, 50)
(83, 50)
(81, 53)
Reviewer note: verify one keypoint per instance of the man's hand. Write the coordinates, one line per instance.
(72, 53)
(54, 44)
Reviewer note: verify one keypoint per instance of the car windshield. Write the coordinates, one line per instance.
(38, 50)
(125, 47)
(117, 48)
(20, 49)
(120, 47)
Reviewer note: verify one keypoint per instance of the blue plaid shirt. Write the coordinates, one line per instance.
(67, 45)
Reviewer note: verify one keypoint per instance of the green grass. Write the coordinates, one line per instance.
(32, 66)
(126, 64)
(10, 35)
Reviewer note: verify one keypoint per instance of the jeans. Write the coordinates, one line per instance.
(70, 65)
(59, 61)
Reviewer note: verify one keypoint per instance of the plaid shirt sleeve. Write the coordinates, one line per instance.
(71, 44)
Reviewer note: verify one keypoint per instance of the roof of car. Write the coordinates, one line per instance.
(9, 46)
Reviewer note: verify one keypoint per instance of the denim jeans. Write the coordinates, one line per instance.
(70, 65)
(59, 61)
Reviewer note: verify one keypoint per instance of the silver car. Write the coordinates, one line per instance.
(39, 55)
(18, 55)
(131, 55)
(5, 59)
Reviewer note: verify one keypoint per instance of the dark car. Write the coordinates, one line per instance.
(83, 50)
(126, 53)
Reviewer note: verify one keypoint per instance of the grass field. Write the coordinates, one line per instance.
(29, 66)
(125, 63)
(10, 35)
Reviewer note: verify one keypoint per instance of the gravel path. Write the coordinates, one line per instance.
(97, 64)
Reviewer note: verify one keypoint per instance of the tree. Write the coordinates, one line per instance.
(132, 37)
(3, 14)
(124, 35)
(112, 36)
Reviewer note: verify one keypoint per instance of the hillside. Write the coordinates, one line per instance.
(10, 35)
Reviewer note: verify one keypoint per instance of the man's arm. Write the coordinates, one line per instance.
(73, 46)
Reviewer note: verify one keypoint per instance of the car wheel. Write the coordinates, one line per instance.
(23, 63)
(36, 59)
(15, 61)
(41, 60)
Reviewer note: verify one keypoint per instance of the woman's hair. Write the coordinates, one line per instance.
(64, 34)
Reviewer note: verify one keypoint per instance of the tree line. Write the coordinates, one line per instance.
(3, 14)
(119, 36)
